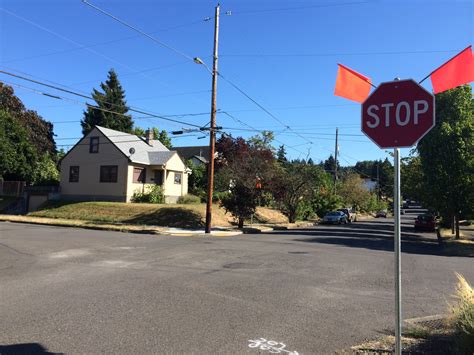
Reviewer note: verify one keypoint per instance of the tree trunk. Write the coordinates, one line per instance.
(457, 226)
(292, 217)
(453, 222)
(241, 222)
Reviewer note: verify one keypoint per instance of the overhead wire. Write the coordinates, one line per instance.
(78, 44)
(276, 55)
(300, 7)
(91, 98)
(161, 43)
(181, 53)
(150, 115)
(98, 44)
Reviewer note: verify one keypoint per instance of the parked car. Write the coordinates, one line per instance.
(426, 221)
(350, 214)
(336, 217)
(381, 213)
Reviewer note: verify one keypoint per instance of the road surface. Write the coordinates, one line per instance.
(316, 291)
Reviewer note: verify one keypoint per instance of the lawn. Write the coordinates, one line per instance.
(184, 216)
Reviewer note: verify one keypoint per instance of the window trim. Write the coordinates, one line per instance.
(180, 178)
(71, 173)
(102, 174)
(142, 174)
(93, 146)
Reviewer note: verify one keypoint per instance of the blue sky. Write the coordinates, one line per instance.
(284, 54)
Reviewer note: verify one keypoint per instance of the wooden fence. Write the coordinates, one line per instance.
(12, 188)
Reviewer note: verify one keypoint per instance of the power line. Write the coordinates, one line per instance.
(154, 39)
(259, 131)
(317, 133)
(97, 44)
(161, 43)
(275, 55)
(91, 98)
(65, 38)
(99, 108)
(300, 7)
(261, 106)
(76, 43)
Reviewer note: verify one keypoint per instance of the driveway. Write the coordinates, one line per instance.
(66, 290)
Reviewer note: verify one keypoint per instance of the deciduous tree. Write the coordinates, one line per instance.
(447, 155)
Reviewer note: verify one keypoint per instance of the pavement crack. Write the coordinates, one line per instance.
(15, 250)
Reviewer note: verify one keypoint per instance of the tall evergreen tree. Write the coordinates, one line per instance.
(281, 154)
(112, 98)
(330, 165)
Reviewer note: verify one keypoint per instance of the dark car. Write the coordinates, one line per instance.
(426, 222)
(381, 213)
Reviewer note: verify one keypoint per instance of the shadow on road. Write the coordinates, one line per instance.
(375, 236)
(29, 348)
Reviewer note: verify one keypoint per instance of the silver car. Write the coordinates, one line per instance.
(336, 217)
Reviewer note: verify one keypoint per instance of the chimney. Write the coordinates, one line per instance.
(149, 136)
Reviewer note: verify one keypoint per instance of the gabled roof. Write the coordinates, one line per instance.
(194, 151)
(201, 159)
(144, 153)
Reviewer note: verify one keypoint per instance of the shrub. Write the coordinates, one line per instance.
(189, 200)
(153, 194)
(463, 316)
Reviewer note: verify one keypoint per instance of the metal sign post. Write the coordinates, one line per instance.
(397, 245)
(398, 114)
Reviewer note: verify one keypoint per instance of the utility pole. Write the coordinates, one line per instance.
(378, 183)
(212, 131)
(336, 149)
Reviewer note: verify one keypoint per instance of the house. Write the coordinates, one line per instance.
(369, 185)
(198, 155)
(108, 165)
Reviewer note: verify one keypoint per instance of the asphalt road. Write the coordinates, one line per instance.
(66, 290)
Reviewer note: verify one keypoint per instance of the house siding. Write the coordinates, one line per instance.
(171, 190)
(89, 186)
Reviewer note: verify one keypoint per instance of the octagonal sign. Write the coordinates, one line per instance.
(398, 114)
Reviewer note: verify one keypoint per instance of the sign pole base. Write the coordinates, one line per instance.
(397, 247)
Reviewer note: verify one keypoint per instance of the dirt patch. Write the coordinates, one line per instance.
(269, 215)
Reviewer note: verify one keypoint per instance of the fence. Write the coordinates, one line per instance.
(12, 188)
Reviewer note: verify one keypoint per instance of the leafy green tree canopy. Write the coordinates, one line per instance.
(39, 132)
(447, 155)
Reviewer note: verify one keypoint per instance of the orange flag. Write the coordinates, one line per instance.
(457, 71)
(351, 85)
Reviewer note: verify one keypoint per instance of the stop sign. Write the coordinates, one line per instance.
(398, 114)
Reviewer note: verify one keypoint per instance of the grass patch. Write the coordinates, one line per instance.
(416, 332)
(184, 216)
(462, 319)
(166, 215)
(5, 201)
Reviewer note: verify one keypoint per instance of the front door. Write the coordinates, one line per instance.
(158, 177)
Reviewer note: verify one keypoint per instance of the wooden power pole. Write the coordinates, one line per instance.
(212, 131)
(336, 150)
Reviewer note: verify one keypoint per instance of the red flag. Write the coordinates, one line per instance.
(457, 71)
(351, 84)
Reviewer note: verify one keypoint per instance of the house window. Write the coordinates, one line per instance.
(94, 145)
(139, 175)
(177, 178)
(108, 173)
(73, 174)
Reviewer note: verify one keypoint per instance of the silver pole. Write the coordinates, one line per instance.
(398, 279)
